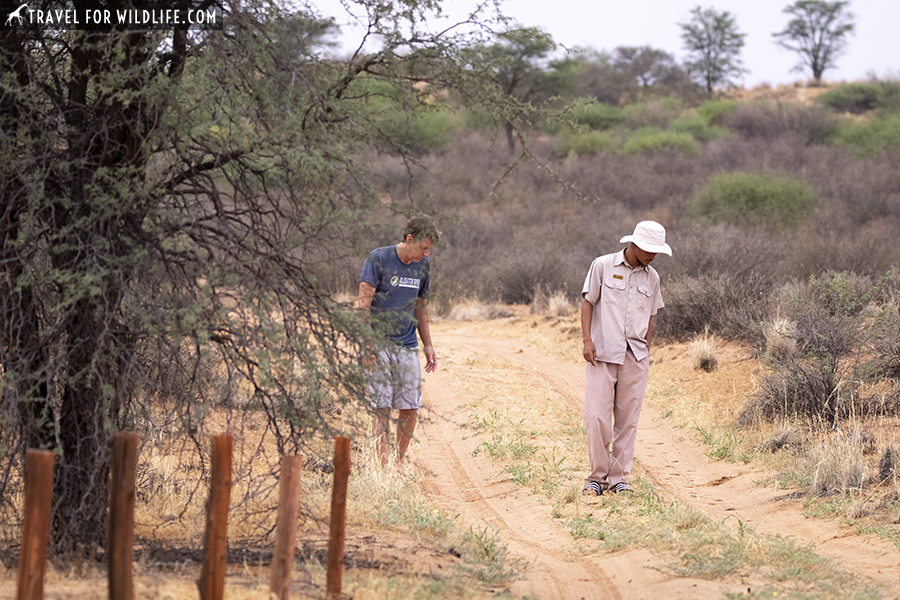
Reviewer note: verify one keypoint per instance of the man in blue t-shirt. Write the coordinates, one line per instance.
(392, 287)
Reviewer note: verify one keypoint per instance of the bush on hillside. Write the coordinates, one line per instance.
(857, 98)
(754, 198)
(872, 136)
(651, 140)
(811, 125)
(585, 143)
(715, 111)
(698, 128)
(598, 115)
(658, 113)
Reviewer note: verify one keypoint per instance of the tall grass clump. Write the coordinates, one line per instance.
(753, 198)
(703, 352)
(838, 466)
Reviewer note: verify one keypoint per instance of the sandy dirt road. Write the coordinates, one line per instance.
(466, 483)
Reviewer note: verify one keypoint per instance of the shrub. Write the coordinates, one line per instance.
(715, 111)
(824, 380)
(698, 128)
(651, 140)
(598, 115)
(857, 98)
(519, 279)
(811, 125)
(585, 143)
(871, 136)
(727, 303)
(754, 198)
(854, 98)
(653, 114)
(420, 132)
(886, 341)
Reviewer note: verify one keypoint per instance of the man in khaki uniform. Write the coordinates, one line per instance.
(620, 298)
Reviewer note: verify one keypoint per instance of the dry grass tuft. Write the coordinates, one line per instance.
(476, 310)
(839, 465)
(703, 352)
(557, 304)
(780, 341)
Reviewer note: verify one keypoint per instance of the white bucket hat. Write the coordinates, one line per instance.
(649, 236)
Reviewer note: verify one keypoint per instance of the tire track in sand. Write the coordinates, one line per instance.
(469, 485)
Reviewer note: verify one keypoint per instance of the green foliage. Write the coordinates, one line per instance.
(658, 113)
(178, 214)
(754, 198)
(586, 143)
(714, 111)
(854, 98)
(698, 127)
(420, 132)
(598, 115)
(485, 556)
(650, 140)
(409, 119)
(872, 136)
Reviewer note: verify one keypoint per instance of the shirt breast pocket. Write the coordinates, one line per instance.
(615, 292)
(643, 297)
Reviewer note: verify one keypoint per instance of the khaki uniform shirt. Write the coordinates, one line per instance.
(624, 299)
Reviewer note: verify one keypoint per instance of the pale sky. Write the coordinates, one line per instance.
(874, 47)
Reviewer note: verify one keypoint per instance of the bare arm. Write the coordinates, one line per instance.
(587, 316)
(365, 296)
(425, 333)
(364, 303)
(650, 331)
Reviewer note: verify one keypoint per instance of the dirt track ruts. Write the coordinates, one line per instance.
(464, 483)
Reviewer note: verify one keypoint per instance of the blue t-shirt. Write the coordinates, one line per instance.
(397, 288)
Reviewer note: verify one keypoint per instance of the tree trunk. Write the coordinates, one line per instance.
(80, 489)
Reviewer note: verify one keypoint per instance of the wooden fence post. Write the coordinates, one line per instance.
(120, 541)
(36, 524)
(215, 551)
(286, 527)
(338, 518)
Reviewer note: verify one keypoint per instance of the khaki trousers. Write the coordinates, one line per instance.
(613, 396)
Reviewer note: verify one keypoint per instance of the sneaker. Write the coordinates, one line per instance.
(621, 487)
(592, 489)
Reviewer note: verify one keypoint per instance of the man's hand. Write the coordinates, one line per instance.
(430, 359)
(590, 351)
